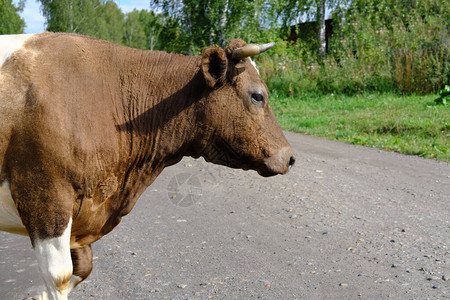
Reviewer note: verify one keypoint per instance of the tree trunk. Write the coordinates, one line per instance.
(322, 28)
(188, 28)
(222, 24)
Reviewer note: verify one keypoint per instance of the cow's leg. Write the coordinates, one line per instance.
(44, 195)
(55, 263)
(82, 265)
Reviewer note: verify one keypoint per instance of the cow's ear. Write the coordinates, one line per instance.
(214, 65)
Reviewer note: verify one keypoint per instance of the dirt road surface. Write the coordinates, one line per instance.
(347, 222)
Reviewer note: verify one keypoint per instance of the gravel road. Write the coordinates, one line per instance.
(347, 222)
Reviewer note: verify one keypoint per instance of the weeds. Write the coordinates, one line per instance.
(444, 96)
(406, 124)
(407, 53)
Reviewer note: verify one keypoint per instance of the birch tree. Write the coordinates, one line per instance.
(322, 27)
(97, 18)
(205, 22)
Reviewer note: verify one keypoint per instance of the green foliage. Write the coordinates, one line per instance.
(408, 38)
(110, 24)
(378, 45)
(105, 20)
(96, 18)
(10, 20)
(153, 27)
(405, 124)
(444, 96)
(142, 30)
(199, 23)
(134, 31)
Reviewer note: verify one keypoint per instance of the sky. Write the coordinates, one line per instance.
(34, 21)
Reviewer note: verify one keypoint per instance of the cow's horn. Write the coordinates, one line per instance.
(251, 50)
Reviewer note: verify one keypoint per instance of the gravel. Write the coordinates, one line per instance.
(347, 222)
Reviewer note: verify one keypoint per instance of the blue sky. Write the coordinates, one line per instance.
(34, 20)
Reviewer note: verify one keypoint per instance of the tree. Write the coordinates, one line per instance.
(97, 18)
(322, 28)
(152, 27)
(59, 15)
(293, 12)
(199, 23)
(142, 29)
(134, 31)
(223, 23)
(405, 41)
(110, 22)
(10, 20)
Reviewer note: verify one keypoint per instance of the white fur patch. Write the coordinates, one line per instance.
(10, 43)
(74, 281)
(55, 263)
(254, 65)
(9, 216)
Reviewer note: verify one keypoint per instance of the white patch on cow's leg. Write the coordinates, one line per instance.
(55, 263)
(44, 296)
(74, 281)
(9, 216)
(10, 43)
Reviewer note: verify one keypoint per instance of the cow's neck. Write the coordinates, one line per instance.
(160, 93)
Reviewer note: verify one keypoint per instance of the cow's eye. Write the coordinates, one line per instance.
(257, 98)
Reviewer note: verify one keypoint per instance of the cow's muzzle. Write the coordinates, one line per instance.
(279, 163)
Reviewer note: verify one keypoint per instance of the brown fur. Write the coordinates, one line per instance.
(62, 283)
(89, 125)
(82, 261)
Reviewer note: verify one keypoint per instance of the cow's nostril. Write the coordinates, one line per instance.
(291, 161)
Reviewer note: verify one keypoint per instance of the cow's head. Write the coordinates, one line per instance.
(242, 129)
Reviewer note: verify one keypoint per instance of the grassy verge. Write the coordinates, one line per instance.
(407, 124)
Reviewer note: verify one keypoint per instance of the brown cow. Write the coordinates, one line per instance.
(87, 125)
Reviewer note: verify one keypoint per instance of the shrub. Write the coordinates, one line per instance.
(380, 45)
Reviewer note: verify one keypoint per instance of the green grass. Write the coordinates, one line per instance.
(406, 124)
